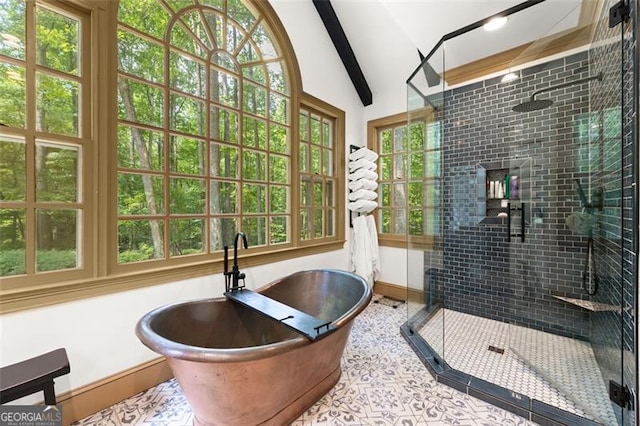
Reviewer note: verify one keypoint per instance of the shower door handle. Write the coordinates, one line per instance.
(508, 222)
(522, 222)
(521, 234)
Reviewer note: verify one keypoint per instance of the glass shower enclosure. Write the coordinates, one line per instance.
(526, 293)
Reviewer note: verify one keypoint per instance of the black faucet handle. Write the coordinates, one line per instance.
(226, 260)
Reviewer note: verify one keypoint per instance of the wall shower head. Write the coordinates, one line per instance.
(432, 77)
(534, 104)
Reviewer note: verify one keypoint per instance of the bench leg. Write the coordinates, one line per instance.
(49, 394)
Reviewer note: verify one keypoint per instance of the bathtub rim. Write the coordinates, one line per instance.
(177, 350)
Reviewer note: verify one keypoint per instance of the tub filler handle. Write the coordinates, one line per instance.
(309, 326)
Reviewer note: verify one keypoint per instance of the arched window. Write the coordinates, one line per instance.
(139, 136)
(207, 134)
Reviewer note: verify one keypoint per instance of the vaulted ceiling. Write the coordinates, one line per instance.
(385, 35)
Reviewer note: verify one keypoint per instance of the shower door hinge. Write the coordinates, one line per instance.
(618, 13)
(620, 394)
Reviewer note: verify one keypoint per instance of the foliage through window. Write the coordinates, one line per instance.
(317, 176)
(409, 178)
(204, 134)
(44, 139)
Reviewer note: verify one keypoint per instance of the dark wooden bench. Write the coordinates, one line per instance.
(33, 375)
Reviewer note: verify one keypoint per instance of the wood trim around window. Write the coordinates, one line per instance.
(101, 277)
(388, 240)
(373, 126)
(312, 103)
(49, 294)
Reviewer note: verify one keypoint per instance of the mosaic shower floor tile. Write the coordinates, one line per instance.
(383, 382)
(557, 370)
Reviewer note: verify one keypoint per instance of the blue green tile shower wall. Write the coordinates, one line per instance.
(484, 274)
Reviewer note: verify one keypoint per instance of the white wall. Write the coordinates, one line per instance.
(384, 51)
(314, 50)
(98, 332)
(390, 100)
(323, 74)
(393, 268)
(388, 85)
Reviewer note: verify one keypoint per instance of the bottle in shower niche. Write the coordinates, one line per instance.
(506, 185)
(515, 187)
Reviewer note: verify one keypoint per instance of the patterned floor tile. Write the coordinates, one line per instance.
(383, 382)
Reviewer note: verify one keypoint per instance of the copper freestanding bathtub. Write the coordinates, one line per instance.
(239, 367)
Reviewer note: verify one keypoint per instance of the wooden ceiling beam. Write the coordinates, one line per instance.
(339, 39)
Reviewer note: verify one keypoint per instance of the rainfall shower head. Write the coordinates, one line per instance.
(534, 104)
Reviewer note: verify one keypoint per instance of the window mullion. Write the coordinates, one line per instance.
(30, 195)
(167, 151)
(294, 176)
(207, 162)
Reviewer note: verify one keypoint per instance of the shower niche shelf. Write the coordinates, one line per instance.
(503, 188)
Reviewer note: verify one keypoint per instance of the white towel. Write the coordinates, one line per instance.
(375, 250)
(365, 253)
(361, 250)
(362, 206)
(362, 163)
(363, 174)
(363, 153)
(363, 184)
(362, 194)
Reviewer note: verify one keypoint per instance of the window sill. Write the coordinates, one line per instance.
(416, 243)
(50, 294)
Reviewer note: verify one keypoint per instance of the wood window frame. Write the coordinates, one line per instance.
(404, 240)
(337, 117)
(101, 274)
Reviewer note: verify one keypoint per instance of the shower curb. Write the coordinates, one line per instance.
(514, 402)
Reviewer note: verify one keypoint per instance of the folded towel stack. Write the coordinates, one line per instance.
(363, 180)
(355, 185)
(365, 153)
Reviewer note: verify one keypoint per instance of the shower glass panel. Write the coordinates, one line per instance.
(521, 279)
(426, 292)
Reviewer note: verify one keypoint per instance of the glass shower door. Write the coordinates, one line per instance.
(570, 326)
(425, 271)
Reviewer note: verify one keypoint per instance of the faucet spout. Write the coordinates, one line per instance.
(233, 278)
(235, 247)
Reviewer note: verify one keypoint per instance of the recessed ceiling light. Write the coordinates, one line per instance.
(495, 23)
